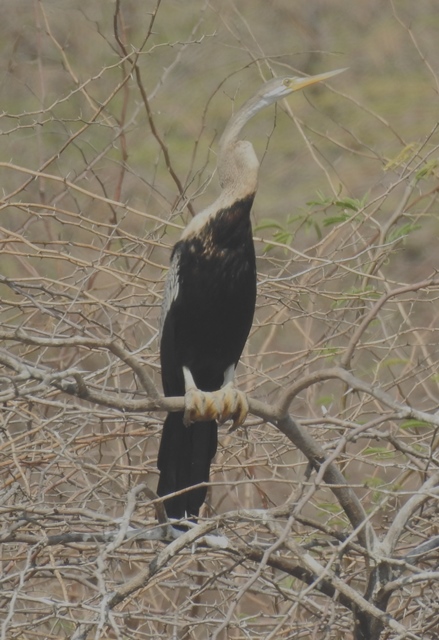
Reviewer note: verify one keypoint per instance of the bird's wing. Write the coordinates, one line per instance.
(171, 288)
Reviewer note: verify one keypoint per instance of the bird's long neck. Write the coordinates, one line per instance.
(238, 164)
(238, 168)
(240, 119)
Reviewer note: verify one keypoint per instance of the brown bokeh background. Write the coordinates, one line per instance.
(101, 166)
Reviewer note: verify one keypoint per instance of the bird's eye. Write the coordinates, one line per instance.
(286, 82)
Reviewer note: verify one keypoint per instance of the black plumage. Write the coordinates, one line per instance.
(205, 329)
(208, 309)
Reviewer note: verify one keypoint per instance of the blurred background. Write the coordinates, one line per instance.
(110, 117)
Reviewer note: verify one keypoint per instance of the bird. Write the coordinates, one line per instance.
(207, 312)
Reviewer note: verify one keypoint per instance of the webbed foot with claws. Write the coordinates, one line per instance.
(224, 404)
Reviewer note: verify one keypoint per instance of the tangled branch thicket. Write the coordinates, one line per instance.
(322, 513)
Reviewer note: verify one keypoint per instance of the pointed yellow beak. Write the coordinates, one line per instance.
(301, 83)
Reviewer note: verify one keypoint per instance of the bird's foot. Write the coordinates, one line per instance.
(234, 405)
(225, 404)
(199, 406)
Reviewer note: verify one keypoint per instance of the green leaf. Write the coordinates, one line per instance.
(373, 482)
(268, 223)
(317, 230)
(331, 507)
(363, 293)
(329, 352)
(402, 231)
(349, 203)
(325, 400)
(335, 219)
(294, 218)
(376, 484)
(379, 452)
(402, 158)
(283, 237)
(391, 362)
(427, 170)
(415, 424)
(288, 582)
(322, 201)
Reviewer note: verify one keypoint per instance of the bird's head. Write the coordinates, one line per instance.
(237, 161)
(279, 88)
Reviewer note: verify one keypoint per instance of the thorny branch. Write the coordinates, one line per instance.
(321, 517)
(276, 413)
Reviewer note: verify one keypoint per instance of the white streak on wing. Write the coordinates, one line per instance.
(171, 289)
(189, 382)
(229, 375)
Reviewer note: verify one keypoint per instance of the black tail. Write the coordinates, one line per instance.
(184, 460)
